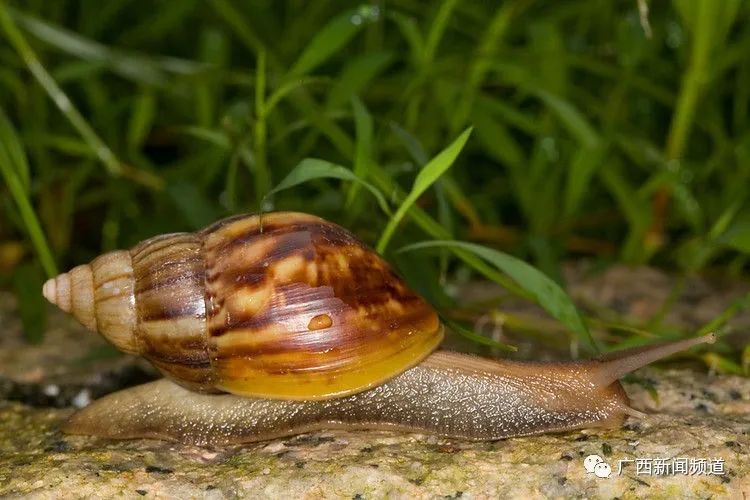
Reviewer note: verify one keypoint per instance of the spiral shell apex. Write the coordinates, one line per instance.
(293, 308)
(100, 296)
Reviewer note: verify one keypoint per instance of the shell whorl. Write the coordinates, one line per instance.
(100, 296)
(171, 308)
(298, 308)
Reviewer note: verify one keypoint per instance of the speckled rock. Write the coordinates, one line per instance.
(691, 416)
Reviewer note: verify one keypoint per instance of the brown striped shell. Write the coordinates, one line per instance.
(290, 307)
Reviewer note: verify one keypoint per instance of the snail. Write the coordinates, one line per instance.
(283, 324)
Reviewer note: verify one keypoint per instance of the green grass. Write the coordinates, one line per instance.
(590, 139)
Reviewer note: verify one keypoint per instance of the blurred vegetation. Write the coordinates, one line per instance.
(612, 130)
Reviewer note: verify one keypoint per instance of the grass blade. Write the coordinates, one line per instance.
(260, 129)
(409, 32)
(737, 235)
(542, 289)
(584, 165)
(430, 226)
(313, 168)
(355, 76)
(578, 126)
(411, 143)
(486, 52)
(102, 151)
(287, 88)
(470, 334)
(437, 29)
(428, 175)
(139, 68)
(236, 21)
(332, 37)
(141, 119)
(20, 194)
(12, 152)
(363, 147)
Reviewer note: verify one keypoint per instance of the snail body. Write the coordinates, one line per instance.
(302, 328)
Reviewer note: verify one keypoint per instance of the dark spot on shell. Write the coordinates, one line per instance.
(141, 492)
(320, 322)
(562, 480)
(606, 449)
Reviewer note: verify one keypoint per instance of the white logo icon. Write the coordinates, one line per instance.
(590, 462)
(602, 469)
(594, 464)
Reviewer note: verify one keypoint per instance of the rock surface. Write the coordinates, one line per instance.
(691, 416)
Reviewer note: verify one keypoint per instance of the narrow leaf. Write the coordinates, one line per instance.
(12, 151)
(332, 37)
(578, 126)
(470, 334)
(410, 32)
(355, 76)
(61, 100)
(542, 289)
(363, 147)
(313, 168)
(10, 174)
(428, 175)
(583, 166)
(141, 119)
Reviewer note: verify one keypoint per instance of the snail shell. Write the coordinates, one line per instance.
(290, 307)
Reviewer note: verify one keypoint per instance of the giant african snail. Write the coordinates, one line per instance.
(306, 328)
